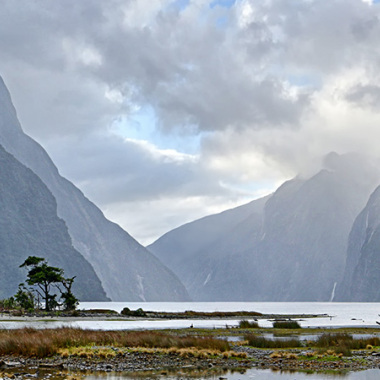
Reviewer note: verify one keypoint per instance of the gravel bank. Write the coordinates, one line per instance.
(22, 368)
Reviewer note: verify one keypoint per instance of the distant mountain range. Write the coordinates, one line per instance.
(103, 250)
(313, 239)
(290, 246)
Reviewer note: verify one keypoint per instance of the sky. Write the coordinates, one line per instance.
(164, 111)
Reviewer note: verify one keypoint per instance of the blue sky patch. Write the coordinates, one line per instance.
(222, 3)
(142, 125)
(180, 4)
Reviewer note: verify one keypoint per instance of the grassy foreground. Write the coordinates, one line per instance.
(30, 342)
(135, 350)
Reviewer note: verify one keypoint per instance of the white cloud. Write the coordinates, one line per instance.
(80, 53)
(264, 87)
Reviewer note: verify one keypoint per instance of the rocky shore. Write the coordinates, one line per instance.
(132, 362)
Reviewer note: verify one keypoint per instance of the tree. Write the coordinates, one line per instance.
(24, 297)
(70, 302)
(45, 280)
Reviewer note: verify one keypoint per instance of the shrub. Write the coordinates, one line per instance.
(286, 325)
(133, 313)
(101, 311)
(248, 325)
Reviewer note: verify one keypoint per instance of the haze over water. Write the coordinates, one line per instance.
(337, 314)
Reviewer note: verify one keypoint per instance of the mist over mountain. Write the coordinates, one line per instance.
(29, 226)
(126, 270)
(290, 246)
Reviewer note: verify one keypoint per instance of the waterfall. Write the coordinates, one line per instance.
(333, 292)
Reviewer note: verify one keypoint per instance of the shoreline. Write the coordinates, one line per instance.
(132, 360)
(109, 315)
(138, 362)
(241, 357)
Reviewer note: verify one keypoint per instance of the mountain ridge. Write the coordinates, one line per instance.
(128, 272)
(30, 226)
(292, 249)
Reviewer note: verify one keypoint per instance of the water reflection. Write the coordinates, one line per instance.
(189, 373)
(219, 374)
(120, 324)
(256, 374)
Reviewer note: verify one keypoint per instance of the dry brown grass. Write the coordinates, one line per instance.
(44, 343)
(261, 342)
(96, 352)
(291, 356)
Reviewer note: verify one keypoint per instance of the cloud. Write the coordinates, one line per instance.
(364, 95)
(266, 88)
(113, 169)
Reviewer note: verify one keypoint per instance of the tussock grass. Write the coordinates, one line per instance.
(343, 339)
(261, 342)
(106, 352)
(276, 355)
(44, 343)
(342, 343)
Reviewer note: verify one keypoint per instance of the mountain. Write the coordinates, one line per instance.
(361, 276)
(29, 226)
(205, 254)
(290, 246)
(127, 271)
(307, 227)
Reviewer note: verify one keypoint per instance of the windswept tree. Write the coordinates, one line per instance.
(70, 302)
(45, 280)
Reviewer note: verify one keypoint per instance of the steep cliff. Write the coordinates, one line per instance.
(289, 247)
(29, 225)
(361, 280)
(126, 269)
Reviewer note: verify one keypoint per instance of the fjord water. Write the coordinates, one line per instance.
(336, 313)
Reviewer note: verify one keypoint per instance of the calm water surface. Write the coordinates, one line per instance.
(337, 314)
(254, 374)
